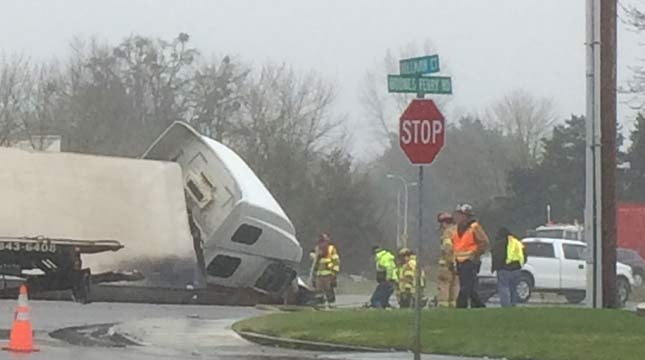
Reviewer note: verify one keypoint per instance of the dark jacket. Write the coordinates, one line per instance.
(498, 252)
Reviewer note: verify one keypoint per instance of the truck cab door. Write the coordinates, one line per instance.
(573, 269)
(543, 264)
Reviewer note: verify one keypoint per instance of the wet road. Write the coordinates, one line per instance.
(163, 332)
(161, 323)
(47, 316)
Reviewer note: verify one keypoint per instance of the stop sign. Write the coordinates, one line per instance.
(421, 131)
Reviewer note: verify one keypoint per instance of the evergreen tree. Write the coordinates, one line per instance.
(634, 176)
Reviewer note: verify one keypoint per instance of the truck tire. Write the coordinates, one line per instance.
(524, 287)
(575, 297)
(623, 290)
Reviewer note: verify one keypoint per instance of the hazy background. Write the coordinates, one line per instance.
(489, 47)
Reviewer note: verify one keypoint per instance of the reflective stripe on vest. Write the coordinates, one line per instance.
(514, 251)
(408, 275)
(464, 245)
(385, 262)
(330, 264)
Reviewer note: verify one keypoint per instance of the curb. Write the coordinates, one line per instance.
(285, 308)
(305, 344)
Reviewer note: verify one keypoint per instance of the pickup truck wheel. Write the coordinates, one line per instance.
(638, 280)
(524, 287)
(623, 289)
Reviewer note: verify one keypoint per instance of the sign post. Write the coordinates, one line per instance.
(421, 136)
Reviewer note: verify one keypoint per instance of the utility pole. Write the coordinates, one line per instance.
(608, 34)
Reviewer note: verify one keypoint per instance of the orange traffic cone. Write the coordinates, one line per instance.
(21, 339)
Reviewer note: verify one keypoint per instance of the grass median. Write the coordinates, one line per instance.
(519, 333)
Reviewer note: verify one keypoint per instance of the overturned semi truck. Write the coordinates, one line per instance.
(190, 214)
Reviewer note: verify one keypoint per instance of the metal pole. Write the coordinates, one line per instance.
(548, 214)
(405, 215)
(593, 191)
(417, 303)
(589, 213)
(418, 297)
(398, 218)
(608, 30)
(598, 291)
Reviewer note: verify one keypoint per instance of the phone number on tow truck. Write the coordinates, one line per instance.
(44, 247)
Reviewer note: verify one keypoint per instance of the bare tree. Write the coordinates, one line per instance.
(118, 99)
(634, 17)
(381, 108)
(525, 118)
(216, 95)
(15, 81)
(282, 108)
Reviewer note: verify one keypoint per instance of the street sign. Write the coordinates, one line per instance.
(419, 65)
(421, 136)
(421, 131)
(419, 84)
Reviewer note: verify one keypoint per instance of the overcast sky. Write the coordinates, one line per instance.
(491, 47)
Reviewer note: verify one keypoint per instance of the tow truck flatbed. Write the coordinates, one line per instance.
(53, 263)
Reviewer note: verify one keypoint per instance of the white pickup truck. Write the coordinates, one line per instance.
(555, 266)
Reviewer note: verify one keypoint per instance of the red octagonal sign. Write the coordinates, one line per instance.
(421, 131)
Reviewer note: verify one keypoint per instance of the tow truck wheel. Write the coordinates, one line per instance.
(81, 292)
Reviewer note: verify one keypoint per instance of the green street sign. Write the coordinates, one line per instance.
(419, 84)
(419, 65)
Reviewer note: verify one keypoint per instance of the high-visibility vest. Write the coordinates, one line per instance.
(514, 251)
(447, 255)
(408, 276)
(330, 263)
(464, 245)
(385, 262)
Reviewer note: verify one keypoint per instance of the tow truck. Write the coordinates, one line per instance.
(46, 264)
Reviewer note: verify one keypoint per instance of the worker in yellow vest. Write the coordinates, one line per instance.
(407, 278)
(386, 277)
(469, 243)
(327, 268)
(509, 256)
(447, 280)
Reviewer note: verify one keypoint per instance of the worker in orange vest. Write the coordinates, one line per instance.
(469, 243)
